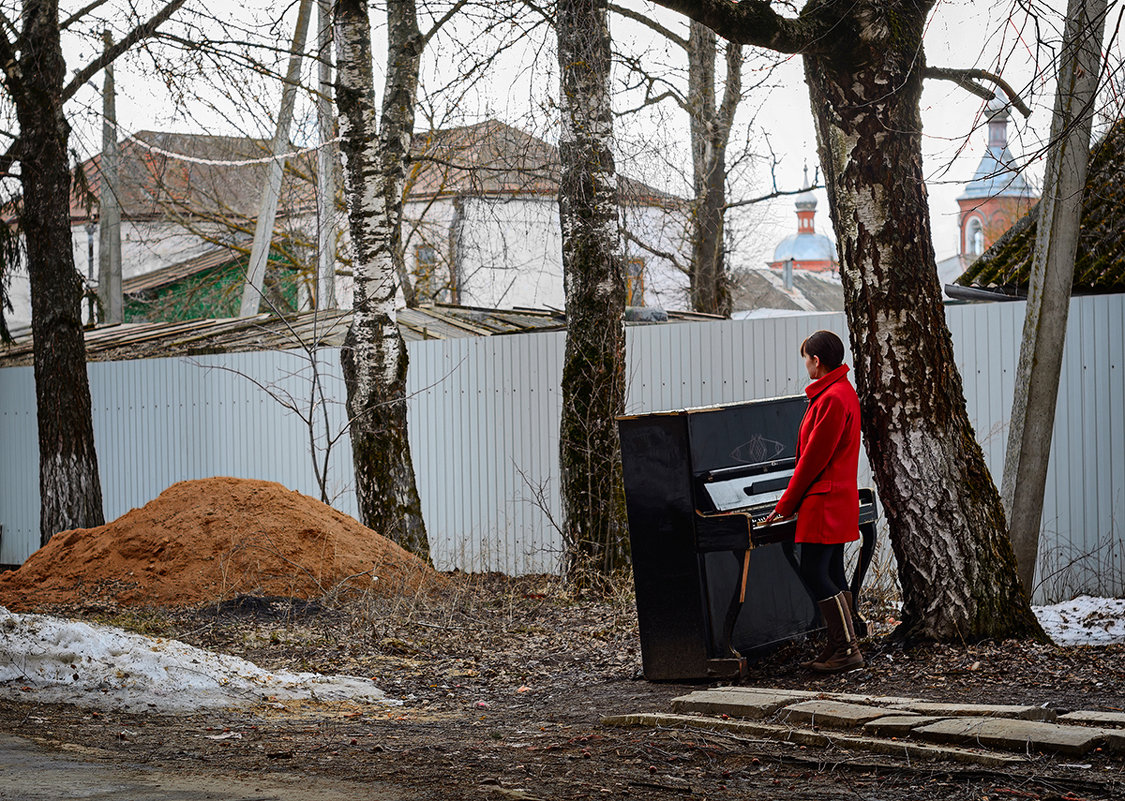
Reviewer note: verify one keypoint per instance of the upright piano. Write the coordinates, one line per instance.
(714, 585)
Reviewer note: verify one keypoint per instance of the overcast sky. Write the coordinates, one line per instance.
(521, 86)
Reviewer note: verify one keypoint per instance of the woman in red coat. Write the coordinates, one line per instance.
(824, 495)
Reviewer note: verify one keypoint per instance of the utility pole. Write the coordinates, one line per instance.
(271, 190)
(1052, 275)
(109, 206)
(325, 166)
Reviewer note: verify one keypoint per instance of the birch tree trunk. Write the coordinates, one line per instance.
(593, 380)
(710, 132)
(864, 64)
(70, 494)
(947, 529)
(374, 355)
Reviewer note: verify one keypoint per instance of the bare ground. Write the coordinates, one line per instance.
(505, 682)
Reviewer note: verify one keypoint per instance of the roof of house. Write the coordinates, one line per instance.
(493, 158)
(1099, 264)
(323, 329)
(215, 257)
(218, 177)
(765, 289)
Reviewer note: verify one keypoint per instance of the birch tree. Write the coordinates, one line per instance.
(374, 355)
(593, 380)
(864, 64)
(34, 81)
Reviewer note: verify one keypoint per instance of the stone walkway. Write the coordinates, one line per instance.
(985, 734)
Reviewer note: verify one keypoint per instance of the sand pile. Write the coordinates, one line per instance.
(213, 539)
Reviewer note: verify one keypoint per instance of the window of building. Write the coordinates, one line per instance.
(426, 279)
(974, 237)
(634, 282)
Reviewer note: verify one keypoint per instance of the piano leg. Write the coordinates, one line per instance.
(866, 553)
(736, 602)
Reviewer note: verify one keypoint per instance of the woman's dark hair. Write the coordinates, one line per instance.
(826, 346)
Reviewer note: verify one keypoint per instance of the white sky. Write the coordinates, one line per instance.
(520, 89)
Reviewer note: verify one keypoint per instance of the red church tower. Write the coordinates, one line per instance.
(998, 195)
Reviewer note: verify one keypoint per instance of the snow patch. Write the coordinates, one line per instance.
(53, 660)
(1086, 620)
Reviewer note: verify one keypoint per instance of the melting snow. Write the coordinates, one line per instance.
(65, 661)
(1084, 621)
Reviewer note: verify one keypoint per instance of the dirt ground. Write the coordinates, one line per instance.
(504, 682)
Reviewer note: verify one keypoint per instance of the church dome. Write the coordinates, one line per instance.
(804, 247)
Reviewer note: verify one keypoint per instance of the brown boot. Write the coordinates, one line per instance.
(845, 650)
(828, 648)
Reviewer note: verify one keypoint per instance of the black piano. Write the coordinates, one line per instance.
(713, 585)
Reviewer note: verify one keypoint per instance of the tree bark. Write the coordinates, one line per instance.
(374, 355)
(710, 133)
(593, 380)
(864, 64)
(1052, 275)
(69, 487)
(947, 528)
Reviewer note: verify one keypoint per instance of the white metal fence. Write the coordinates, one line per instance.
(484, 418)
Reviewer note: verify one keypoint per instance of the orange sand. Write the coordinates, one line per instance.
(212, 539)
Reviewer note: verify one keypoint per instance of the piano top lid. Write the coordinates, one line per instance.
(704, 409)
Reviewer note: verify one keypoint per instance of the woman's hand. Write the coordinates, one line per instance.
(772, 516)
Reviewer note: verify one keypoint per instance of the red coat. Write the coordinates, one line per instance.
(823, 490)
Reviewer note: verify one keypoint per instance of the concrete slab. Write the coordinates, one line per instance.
(947, 710)
(852, 698)
(1013, 735)
(789, 734)
(1094, 717)
(835, 714)
(897, 725)
(743, 704)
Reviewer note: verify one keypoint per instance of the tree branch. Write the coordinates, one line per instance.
(776, 193)
(444, 19)
(754, 22)
(967, 79)
(139, 33)
(10, 63)
(732, 91)
(662, 254)
(650, 23)
(80, 13)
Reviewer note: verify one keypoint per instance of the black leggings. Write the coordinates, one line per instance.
(822, 569)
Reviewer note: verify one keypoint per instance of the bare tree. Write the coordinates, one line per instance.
(865, 65)
(35, 83)
(711, 120)
(374, 355)
(593, 380)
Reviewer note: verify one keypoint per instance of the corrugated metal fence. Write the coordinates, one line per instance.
(484, 416)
